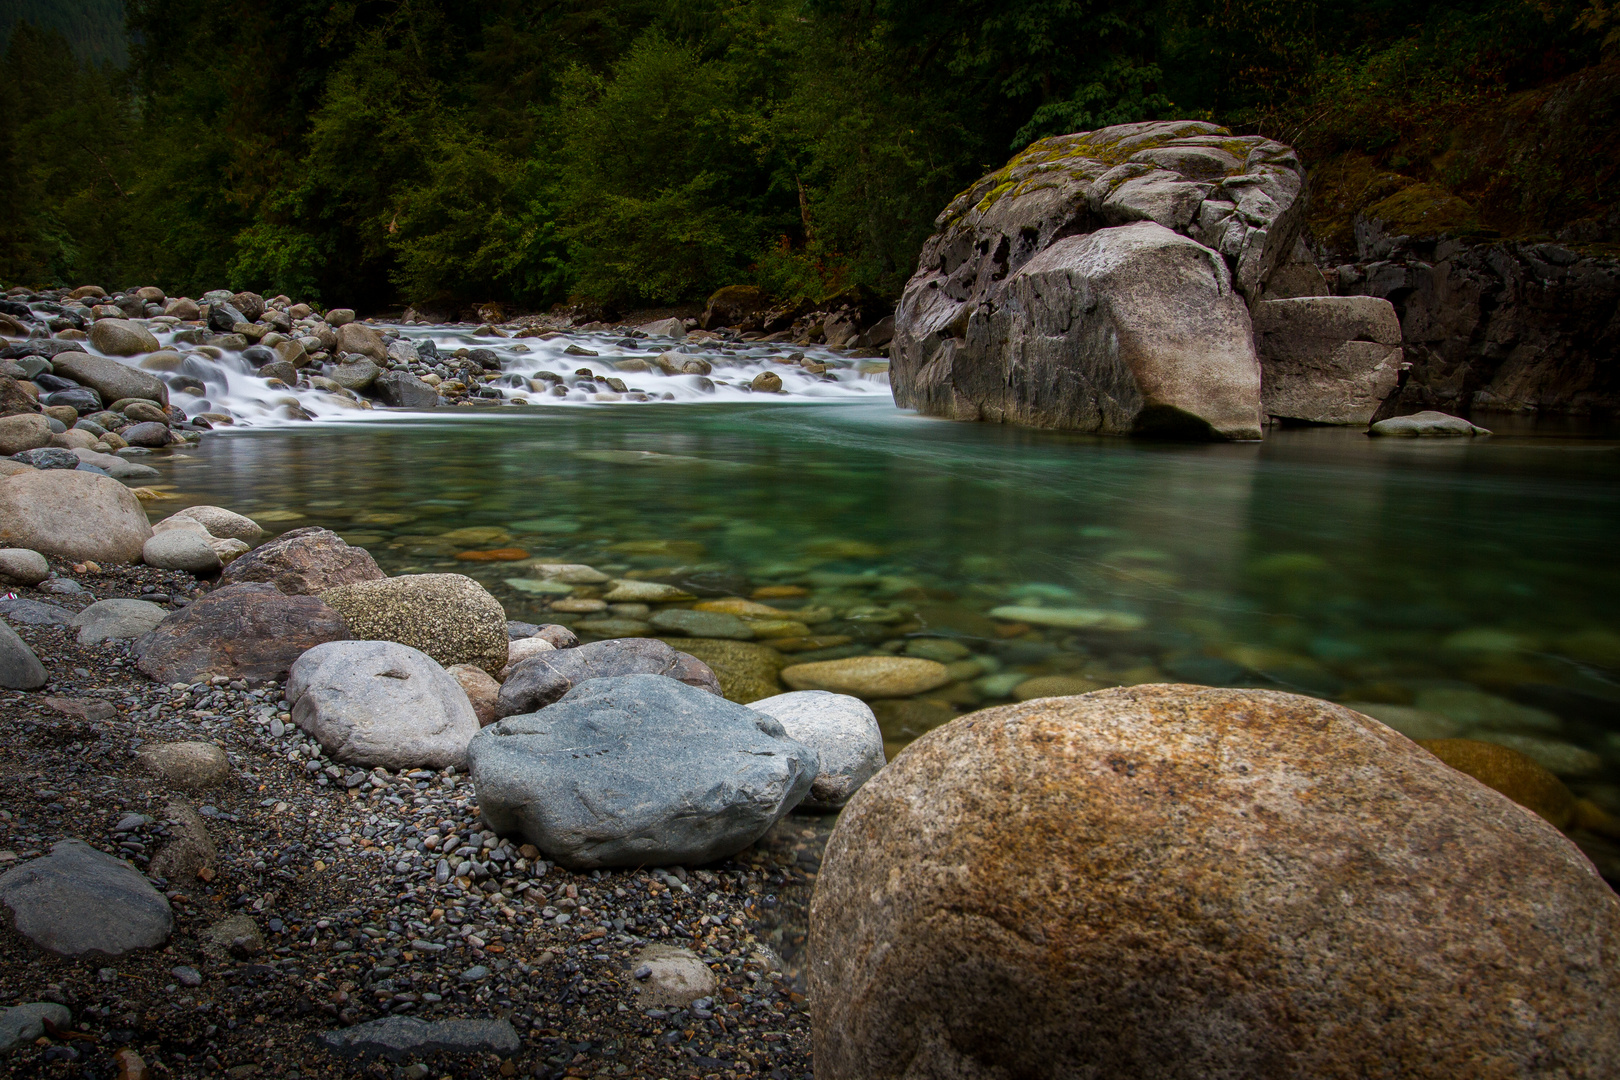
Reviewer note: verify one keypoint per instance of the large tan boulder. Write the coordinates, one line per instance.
(1327, 359)
(122, 337)
(358, 338)
(72, 515)
(1175, 881)
(109, 378)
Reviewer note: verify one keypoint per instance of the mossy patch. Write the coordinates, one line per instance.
(1425, 210)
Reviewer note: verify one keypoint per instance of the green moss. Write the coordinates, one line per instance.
(1425, 210)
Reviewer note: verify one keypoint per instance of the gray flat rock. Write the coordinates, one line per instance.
(117, 618)
(20, 669)
(1428, 424)
(25, 1023)
(116, 467)
(638, 770)
(399, 1037)
(79, 900)
(34, 613)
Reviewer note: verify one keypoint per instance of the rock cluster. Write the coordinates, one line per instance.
(1104, 281)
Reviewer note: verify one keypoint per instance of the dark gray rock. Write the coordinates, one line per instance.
(405, 391)
(83, 399)
(399, 1037)
(540, 680)
(34, 613)
(79, 900)
(223, 316)
(147, 434)
(517, 631)
(20, 669)
(48, 457)
(638, 770)
(25, 1023)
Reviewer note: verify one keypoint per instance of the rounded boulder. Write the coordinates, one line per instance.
(72, 515)
(181, 549)
(122, 337)
(448, 616)
(1173, 881)
(372, 703)
(841, 729)
(304, 562)
(19, 566)
(224, 524)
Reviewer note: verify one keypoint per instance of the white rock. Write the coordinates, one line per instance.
(181, 549)
(20, 566)
(674, 977)
(1426, 424)
(670, 328)
(522, 649)
(842, 729)
(72, 515)
(373, 703)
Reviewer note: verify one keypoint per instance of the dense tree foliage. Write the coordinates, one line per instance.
(645, 151)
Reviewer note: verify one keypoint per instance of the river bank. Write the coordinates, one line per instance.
(302, 915)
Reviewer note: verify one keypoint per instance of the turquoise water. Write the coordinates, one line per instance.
(1450, 587)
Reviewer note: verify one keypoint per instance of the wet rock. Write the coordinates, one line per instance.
(543, 679)
(48, 457)
(448, 616)
(20, 669)
(644, 592)
(181, 549)
(79, 900)
(246, 631)
(675, 977)
(372, 703)
(20, 566)
(117, 618)
(399, 1037)
(24, 1023)
(405, 391)
(1070, 618)
(703, 624)
(358, 338)
(841, 730)
(869, 676)
(1426, 424)
(149, 434)
(766, 382)
(483, 692)
(936, 917)
(674, 774)
(746, 672)
(23, 431)
(112, 380)
(304, 562)
(223, 523)
(356, 375)
(672, 328)
(1326, 359)
(191, 766)
(121, 337)
(116, 467)
(1054, 686)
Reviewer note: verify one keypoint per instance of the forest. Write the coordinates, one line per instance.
(633, 153)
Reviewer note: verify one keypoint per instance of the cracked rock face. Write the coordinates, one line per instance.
(1100, 281)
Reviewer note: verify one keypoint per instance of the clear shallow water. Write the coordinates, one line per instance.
(1450, 587)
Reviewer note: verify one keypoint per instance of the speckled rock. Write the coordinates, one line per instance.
(304, 562)
(841, 729)
(546, 677)
(189, 765)
(869, 676)
(1173, 881)
(746, 672)
(448, 616)
(675, 977)
(247, 631)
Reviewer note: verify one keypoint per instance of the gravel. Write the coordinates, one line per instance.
(377, 894)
